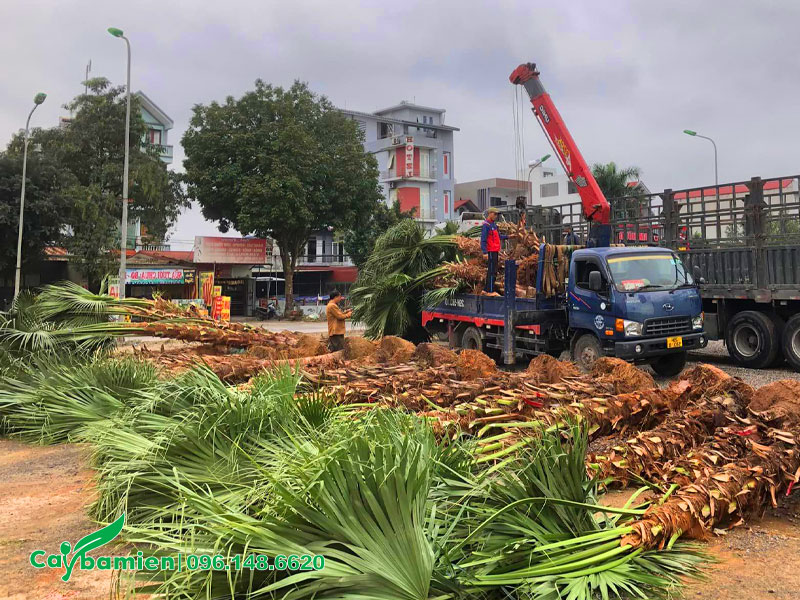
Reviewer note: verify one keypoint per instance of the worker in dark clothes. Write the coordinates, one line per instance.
(490, 245)
(336, 318)
(570, 239)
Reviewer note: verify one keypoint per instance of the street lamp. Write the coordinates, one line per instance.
(37, 100)
(532, 165)
(124, 243)
(695, 134)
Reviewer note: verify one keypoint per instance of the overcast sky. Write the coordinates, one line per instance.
(628, 77)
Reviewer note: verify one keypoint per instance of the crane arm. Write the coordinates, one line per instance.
(596, 208)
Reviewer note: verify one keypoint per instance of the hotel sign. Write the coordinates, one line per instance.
(409, 156)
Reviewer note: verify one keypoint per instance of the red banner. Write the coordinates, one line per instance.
(242, 251)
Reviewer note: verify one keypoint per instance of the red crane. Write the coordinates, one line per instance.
(596, 208)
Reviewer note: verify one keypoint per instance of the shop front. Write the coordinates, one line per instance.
(172, 283)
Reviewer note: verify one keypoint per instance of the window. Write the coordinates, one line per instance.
(154, 136)
(548, 190)
(385, 130)
(572, 188)
(582, 270)
(446, 164)
(446, 204)
(390, 162)
(312, 249)
(548, 173)
(494, 201)
(362, 125)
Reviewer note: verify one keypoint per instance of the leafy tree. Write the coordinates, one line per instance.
(359, 241)
(612, 180)
(44, 208)
(88, 154)
(280, 163)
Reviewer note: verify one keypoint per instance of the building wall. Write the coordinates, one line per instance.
(551, 187)
(434, 173)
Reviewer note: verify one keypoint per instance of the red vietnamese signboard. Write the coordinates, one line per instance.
(242, 251)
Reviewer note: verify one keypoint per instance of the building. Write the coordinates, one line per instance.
(552, 187)
(414, 150)
(485, 193)
(158, 125)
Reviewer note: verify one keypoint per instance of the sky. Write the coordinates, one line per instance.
(627, 77)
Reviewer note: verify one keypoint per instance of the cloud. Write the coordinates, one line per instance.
(627, 77)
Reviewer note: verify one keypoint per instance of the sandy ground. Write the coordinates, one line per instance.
(46, 490)
(43, 499)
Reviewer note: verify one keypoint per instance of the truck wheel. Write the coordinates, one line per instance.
(791, 342)
(586, 351)
(472, 339)
(669, 365)
(752, 339)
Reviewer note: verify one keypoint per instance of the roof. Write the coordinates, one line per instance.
(468, 203)
(154, 110)
(740, 189)
(619, 250)
(405, 104)
(358, 113)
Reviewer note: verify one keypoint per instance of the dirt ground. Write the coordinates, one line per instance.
(43, 495)
(45, 491)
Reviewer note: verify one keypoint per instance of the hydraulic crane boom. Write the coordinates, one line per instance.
(596, 208)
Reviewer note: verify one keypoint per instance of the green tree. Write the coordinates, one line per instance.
(44, 208)
(280, 163)
(613, 181)
(359, 241)
(88, 154)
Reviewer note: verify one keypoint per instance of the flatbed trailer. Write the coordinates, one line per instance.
(743, 237)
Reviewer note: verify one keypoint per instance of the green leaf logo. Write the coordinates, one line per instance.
(90, 542)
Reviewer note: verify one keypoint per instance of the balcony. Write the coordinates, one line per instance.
(427, 175)
(324, 260)
(164, 151)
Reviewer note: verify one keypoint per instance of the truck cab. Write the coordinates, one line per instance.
(638, 304)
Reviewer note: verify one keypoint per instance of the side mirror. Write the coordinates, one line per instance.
(595, 281)
(698, 278)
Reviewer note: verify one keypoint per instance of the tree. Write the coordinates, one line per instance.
(44, 208)
(88, 155)
(359, 241)
(614, 181)
(281, 163)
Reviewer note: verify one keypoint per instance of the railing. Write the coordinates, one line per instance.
(333, 260)
(164, 150)
(393, 173)
(155, 247)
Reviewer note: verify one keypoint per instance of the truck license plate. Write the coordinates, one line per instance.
(675, 342)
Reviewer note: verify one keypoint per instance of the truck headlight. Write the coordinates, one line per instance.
(697, 322)
(632, 328)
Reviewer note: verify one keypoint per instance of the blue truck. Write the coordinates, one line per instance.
(638, 304)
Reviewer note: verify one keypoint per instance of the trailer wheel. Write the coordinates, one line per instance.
(669, 365)
(471, 339)
(791, 342)
(586, 351)
(752, 339)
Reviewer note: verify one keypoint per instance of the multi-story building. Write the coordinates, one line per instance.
(414, 150)
(497, 191)
(158, 125)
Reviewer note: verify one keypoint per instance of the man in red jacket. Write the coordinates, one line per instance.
(490, 245)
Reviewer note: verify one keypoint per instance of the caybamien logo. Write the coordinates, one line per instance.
(71, 556)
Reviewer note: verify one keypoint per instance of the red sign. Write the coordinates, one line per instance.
(409, 156)
(241, 251)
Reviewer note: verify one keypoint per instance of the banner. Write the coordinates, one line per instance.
(154, 276)
(221, 308)
(205, 286)
(230, 250)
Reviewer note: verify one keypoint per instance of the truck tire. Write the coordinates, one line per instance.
(752, 339)
(669, 365)
(471, 339)
(791, 342)
(586, 351)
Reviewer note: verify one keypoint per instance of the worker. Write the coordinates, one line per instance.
(490, 246)
(336, 318)
(570, 239)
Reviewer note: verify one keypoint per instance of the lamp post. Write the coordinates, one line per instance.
(124, 226)
(695, 134)
(531, 166)
(37, 100)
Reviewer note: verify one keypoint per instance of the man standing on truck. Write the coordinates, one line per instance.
(570, 239)
(336, 318)
(490, 245)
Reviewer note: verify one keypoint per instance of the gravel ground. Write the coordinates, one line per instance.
(716, 354)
